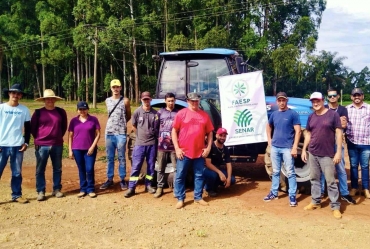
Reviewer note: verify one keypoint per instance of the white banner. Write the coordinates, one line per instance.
(243, 108)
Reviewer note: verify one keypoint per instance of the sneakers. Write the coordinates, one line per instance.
(312, 206)
(21, 200)
(107, 184)
(57, 193)
(348, 199)
(158, 193)
(180, 204)
(41, 196)
(129, 193)
(353, 192)
(337, 214)
(92, 195)
(367, 194)
(270, 197)
(150, 189)
(293, 201)
(122, 184)
(81, 194)
(201, 202)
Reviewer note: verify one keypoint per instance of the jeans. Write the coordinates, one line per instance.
(16, 159)
(162, 158)
(139, 153)
(277, 156)
(182, 167)
(85, 164)
(42, 154)
(342, 176)
(113, 143)
(325, 165)
(212, 180)
(359, 154)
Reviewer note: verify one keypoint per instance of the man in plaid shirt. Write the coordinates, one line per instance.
(358, 141)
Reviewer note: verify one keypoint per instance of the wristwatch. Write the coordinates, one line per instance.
(26, 144)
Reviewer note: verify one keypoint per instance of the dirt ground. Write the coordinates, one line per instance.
(237, 218)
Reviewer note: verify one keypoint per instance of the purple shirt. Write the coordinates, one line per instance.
(83, 133)
(49, 126)
(322, 128)
(166, 118)
(358, 127)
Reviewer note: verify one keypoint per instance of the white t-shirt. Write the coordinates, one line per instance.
(11, 124)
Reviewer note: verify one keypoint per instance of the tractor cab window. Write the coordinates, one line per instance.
(173, 78)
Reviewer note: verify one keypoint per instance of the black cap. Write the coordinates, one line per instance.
(281, 95)
(357, 91)
(82, 105)
(15, 88)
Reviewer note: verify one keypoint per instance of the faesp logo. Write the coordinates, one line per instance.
(240, 89)
(243, 118)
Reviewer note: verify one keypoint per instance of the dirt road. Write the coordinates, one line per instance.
(237, 218)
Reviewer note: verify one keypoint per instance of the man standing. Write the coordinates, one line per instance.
(324, 129)
(48, 126)
(190, 127)
(219, 156)
(13, 118)
(165, 146)
(333, 97)
(358, 141)
(286, 128)
(145, 125)
(119, 113)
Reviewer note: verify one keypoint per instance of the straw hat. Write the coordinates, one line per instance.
(48, 93)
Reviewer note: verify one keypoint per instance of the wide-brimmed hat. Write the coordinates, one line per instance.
(15, 88)
(48, 93)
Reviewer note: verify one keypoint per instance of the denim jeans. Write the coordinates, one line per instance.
(279, 155)
(163, 157)
(113, 143)
(16, 159)
(182, 167)
(42, 154)
(359, 154)
(85, 164)
(341, 174)
(139, 153)
(325, 165)
(212, 180)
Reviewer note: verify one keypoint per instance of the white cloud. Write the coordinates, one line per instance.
(345, 29)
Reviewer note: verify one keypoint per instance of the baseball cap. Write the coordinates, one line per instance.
(221, 131)
(193, 96)
(115, 82)
(281, 95)
(82, 105)
(146, 95)
(357, 90)
(316, 95)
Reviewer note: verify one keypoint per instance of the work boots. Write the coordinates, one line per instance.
(158, 193)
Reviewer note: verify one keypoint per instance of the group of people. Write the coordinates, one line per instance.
(327, 130)
(181, 137)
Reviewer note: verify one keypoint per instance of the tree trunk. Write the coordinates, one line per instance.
(134, 54)
(124, 74)
(87, 79)
(43, 66)
(95, 67)
(78, 73)
(37, 79)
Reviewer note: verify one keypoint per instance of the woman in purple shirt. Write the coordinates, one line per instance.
(84, 134)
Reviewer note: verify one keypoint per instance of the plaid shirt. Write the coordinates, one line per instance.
(358, 127)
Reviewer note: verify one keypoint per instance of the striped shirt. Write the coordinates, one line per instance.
(358, 127)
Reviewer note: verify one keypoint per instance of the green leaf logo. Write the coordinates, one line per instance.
(240, 89)
(243, 118)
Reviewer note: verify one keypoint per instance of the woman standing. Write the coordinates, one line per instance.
(84, 134)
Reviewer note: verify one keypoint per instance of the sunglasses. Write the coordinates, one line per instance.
(332, 96)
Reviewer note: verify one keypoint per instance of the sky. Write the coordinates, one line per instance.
(345, 28)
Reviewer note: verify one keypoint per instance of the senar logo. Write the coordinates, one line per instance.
(243, 118)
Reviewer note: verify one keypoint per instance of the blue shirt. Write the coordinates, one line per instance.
(12, 120)
(282, 123)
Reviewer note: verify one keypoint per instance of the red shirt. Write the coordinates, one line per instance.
(192, 127)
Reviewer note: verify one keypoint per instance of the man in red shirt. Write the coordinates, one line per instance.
(190, 127)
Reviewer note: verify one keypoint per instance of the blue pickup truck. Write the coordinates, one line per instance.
(187, 71)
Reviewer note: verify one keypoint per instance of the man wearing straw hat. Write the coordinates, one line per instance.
(48, 126)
